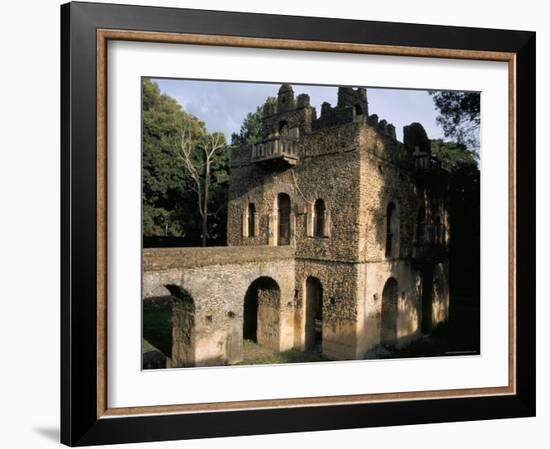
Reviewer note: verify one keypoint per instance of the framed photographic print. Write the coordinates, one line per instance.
(280, 224)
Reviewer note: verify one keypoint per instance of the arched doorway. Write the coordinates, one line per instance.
(283, 215)
(261, 311)
(388, 321)
(313, 314)
(283, 130)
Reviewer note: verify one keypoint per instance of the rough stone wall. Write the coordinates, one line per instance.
(385, 177)
(357, 167)
(253, 184)
(296, 114)
(299, 117)
(269, 323)
(218, 279)
(339, 284)
(328, 169)
(183, 333)
(373, 278)
(441, 296)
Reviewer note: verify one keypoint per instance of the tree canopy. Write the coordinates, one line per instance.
(168, 189)
(454, 156)
(459, 116)
(251, 128)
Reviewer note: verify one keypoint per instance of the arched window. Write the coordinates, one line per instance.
(388, 315)
(358, 110)
(391, 230)
(283, 129)
(251, 220)
(319, 213)
(283, 212)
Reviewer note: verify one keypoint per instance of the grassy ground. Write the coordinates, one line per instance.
(157, 330)
(147, 347)
(258, 355)
(458, 337)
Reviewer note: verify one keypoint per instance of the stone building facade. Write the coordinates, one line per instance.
(356, 224)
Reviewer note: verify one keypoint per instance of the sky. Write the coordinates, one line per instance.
(222, 105)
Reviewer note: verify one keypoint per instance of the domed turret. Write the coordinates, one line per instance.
(285, 98)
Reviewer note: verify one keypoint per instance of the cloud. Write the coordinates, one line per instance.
(223, 105)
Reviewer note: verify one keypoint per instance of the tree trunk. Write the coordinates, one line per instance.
(205, 203)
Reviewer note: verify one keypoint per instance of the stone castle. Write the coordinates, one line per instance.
(337, 240)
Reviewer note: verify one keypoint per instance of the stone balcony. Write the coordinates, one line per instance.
(276, 151)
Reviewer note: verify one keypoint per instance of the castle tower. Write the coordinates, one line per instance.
(356, 98)
(285, 98)
(340, 194)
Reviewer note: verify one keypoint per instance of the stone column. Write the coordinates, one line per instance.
(183, 334)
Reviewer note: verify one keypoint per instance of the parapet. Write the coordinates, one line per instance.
(160, 259)
(288, 115)
(352, 106)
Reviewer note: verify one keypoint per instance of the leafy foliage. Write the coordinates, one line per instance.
(459, 115)
(455, 156)
(169, 198)
(464, 190)
(252, 126)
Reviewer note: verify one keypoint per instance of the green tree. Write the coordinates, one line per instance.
(464, 195)
(459, 115)
(169, 196)
(455, 156)
(251, 128)
(199, 158)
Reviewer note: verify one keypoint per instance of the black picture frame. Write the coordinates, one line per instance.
(80, 423)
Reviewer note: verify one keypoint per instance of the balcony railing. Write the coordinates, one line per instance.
(276, 150)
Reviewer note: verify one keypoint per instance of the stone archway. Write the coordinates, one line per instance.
(388, 318)
(261, 312)
(313, 314)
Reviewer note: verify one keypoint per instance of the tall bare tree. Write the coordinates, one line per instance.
(197, 160)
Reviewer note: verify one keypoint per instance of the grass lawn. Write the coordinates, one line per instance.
(157, 331)
(257, 355)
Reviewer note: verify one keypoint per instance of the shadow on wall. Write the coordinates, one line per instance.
(261, 312)
(400, 319)
(157, 323)
(162, 315)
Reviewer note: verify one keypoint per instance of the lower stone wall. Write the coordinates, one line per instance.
(407, 303)
(338, 281)
(218, 292)
(347, 308)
